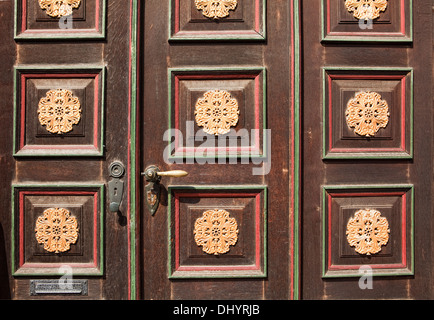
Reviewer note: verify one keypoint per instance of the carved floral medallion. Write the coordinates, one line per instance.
(59, 8)
(367, 113)
(56, 230)
(215, 9)
(366, 9)
(59, 110)
(216, 231)
(367, 231)
(216, 112)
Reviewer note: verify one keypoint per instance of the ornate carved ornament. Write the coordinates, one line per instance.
(59, 110)
(367, 231)
(59, 8)
(366, 9)
(367, 113)
(56, 230)
(216, 112)
(215, 9)
(216, 231)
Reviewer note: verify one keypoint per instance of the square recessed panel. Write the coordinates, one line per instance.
(55, 129)
(245, 21)
(345, 255)
(217, 254)
(245, 137)
(33, 22)
(81, 248)
(394, 24)
(388, 133)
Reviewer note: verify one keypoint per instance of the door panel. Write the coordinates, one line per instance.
(206, 103)
(363, 172)
(67, 111)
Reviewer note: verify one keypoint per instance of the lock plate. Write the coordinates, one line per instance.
(116, 185)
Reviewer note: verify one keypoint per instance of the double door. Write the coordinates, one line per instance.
(216, 149)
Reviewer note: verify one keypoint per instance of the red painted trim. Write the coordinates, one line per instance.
(403, 230)
(217, 150)
(58, 265)
(403, 263)
(24, 21)
(215, 76)
(24, 15)
(365, 77)
(97, 10)
(330, 107)
(403, 16)
(95, 228)
(257, 17)
(258, 231)
(366, 194)
(219, 268)
(403, 115)
(21, 230)
(96, 99)
(21, 224)
(177, 142)
(23, 101)
(23, 111)
(403, 80)
(177, 231)
(177, 27)
(256, 266)
(214, 33)
(401, 33)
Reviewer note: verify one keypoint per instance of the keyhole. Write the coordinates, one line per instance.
(115, 191)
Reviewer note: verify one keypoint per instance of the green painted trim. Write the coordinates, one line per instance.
(297, 149)
(58, 187)
(28, 35)
(216, 36)
(394, 272)
(366, 155)
(218, 274)
(397, 39)
(133, 152)
(16, 106)
(170, 74)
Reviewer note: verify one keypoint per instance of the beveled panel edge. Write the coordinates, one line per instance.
(224, 273)
(327, 155)
(219, 36)
(208, 70)
(407, 189)
(47, 35)
(39, 69)
(97, 270)
(403, 38)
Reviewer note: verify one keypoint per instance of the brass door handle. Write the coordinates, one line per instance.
(173, 173)
(153, 175)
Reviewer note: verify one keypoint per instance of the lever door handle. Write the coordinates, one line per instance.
(173, 173)
(153, 175)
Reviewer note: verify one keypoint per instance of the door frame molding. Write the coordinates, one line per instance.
(133, 167)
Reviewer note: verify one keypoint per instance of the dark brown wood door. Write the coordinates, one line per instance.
(218, 103)
(367, 153)
(66, 86)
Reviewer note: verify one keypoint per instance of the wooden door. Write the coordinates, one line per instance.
(218, 103)
(66, 82)
(367, 177)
